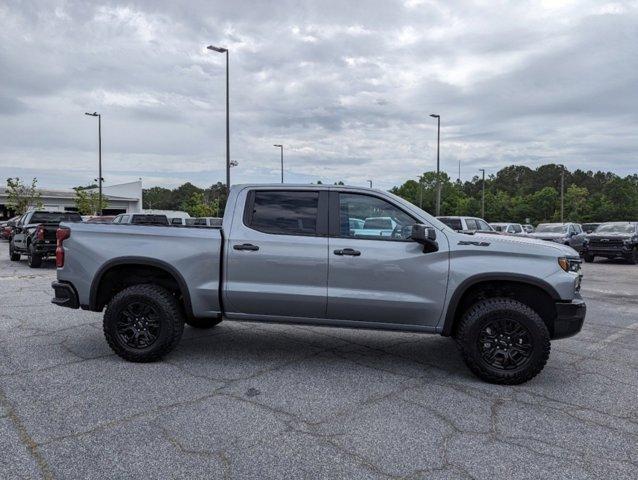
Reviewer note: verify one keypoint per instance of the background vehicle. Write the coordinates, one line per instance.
(528, 228)
(509, 228)
(34, 235)
(590, 227)
(141, 219)
(566, 233)
(287, 254)
(613, 240)
(6, 228)
(204, 222)
(467, 224)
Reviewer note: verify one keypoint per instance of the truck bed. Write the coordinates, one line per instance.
(193, 255)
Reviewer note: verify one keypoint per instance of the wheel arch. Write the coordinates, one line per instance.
(105, 283)
(532, 291)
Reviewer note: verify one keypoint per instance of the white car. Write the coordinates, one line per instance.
(509, 228)
(467, 224)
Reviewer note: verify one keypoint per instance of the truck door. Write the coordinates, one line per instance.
(379, 278)
(19, 233)
(277, 255)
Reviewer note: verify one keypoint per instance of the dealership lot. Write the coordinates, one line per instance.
(247, 400)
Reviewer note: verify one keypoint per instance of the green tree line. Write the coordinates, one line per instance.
(516, 193)
(197, 202)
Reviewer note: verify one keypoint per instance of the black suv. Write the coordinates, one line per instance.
(613, 240)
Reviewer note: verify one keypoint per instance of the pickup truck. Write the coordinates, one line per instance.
(613, 240)
(289, 254)
(35, 235)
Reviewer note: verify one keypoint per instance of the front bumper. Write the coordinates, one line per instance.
(569, 318)
(612, 251)
(65, 295)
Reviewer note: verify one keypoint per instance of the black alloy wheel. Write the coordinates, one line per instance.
(505, 344)
(138, 325)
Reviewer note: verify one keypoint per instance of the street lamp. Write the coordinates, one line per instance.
(483, 195)
(99, 156)
(225, 50)
(282, 161)
(438, 178)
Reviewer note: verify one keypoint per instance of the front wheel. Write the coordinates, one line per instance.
(503, 341)
(143, 323)
(633, 256)
(588, 257)
(13, 255)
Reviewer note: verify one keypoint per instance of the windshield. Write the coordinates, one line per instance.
(55, 217)
(551, 228)
(617, 228)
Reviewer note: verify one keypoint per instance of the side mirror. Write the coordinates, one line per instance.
(425, 236)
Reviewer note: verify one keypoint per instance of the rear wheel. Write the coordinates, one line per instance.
(13, 255)
(143, 323)
(503, 341)
(203, 322)
(34, 259)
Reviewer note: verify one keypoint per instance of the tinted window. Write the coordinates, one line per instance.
(147, 219)
(381, 220)
(483, 225)
(176, 221)
(471, 224)
(55, 217)
(453, 223)
(291, 213)
(498, 228)
(517, 228)
(124, 219)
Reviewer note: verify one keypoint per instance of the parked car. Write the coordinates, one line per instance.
(204, 222)
(34, 235)
(509, 228)
(566, 233)
(288, 255)
(590, 227)
(613, 240)
(6, 228)
(141, 219)
(100, 219)
(528, 228)
(467, 224)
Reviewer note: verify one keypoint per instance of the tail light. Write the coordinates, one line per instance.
(60, 235)
(39, 232)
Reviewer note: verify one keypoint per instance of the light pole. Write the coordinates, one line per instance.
(562, 195)
(282, 161)
(438, 165)
(483, 195)
(225, 50)
(370, 182)
(99, 157)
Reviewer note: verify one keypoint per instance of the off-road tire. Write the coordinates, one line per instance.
(169, 312)
(588, 257)
(33, 259)
(13, 255)
(203, 322)
(632, 258)
(486, 311)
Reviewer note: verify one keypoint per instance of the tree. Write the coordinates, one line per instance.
(157, 198)
(196, 206)
(20, 196)
(88, 201)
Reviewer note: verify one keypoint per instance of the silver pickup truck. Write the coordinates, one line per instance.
(302, 255)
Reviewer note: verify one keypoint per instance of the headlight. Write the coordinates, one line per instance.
(569, 264)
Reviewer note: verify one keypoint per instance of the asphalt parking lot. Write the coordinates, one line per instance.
(247, 400)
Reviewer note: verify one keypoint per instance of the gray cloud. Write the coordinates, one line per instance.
(346, 86)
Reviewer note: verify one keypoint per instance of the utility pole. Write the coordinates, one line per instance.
(562, 195)
(282, 161)
(483, 195)
(99, 156)
(459, 171)
(225, 50)
(438, 165)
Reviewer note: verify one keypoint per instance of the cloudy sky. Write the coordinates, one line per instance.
(347, 87)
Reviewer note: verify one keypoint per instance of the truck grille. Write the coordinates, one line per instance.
(606, 243)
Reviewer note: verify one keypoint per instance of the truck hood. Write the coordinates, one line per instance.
(527, 245)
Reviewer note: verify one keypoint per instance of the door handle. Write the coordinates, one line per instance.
(348, 251)
(246, 246)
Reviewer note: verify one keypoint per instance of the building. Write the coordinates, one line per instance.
(121, 198)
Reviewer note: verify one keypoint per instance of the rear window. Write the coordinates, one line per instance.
(453, 223)
(149, 220)
(290, 213)
(55, 217)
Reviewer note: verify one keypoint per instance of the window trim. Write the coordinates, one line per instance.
(334, 222)
(322, 211)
